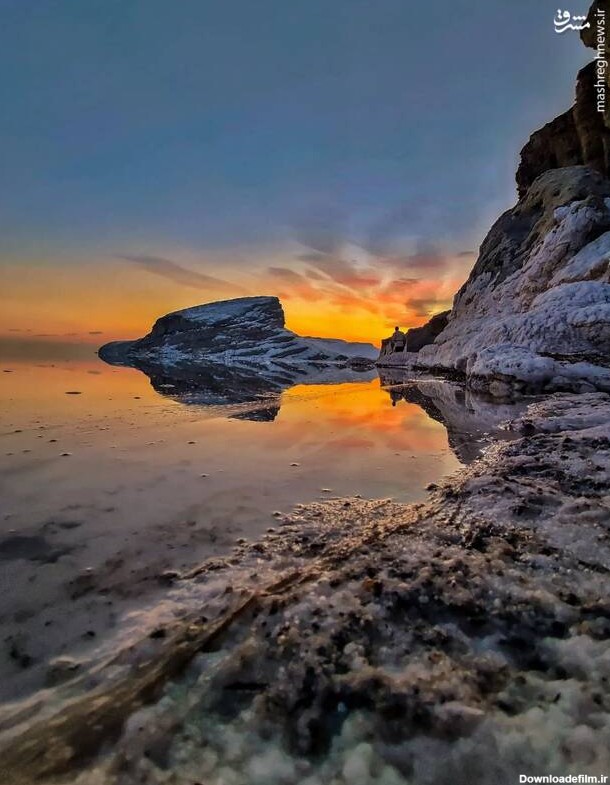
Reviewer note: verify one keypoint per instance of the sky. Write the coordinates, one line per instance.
(346, 155)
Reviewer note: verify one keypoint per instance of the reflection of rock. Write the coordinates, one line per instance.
(222, 385)
(217, 386)
(472, 422)
(246, 333)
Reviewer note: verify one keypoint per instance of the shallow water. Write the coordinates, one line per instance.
(108, 482)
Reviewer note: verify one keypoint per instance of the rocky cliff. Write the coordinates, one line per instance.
(246, 335)
(401, 348)
(581, 135)
(534, 314)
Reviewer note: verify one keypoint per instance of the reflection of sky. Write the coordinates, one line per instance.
(119, 432)
(342, 155)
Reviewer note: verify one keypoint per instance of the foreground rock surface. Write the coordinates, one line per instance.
(463, 640)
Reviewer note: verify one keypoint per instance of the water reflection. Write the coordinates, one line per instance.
(218, 385)
(140, 473)
(472, 421)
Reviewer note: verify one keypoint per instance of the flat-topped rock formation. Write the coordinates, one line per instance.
(245, 334)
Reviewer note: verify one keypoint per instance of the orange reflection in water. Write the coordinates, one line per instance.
(360, 415)
(47, 389)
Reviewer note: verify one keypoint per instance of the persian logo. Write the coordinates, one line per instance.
(565, 21)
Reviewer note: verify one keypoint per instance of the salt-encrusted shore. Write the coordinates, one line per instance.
(461, 640)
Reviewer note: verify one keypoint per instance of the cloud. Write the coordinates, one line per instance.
(173, 271)
(297, 285)
(388, 230)
(339, 271)
(285, 273)
(423, 306)
(427, 258)
(322, 228)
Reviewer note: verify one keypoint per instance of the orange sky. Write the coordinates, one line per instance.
(323, 295)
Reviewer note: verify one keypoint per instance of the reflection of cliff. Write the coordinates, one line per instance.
(472, 422)
(217, 386)
(221, 385)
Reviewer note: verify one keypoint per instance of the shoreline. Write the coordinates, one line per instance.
(479, 615)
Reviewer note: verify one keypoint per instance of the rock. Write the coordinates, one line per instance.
(581, 135)
(169, 576)
(400, 348)
(61, 669)
(578, 136)
(236, 351)
(534, 314)
(418, 337)
(244, 332)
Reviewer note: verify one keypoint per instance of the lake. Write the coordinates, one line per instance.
(111, 479)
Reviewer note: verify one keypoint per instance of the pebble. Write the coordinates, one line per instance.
(169, 576)
(73, 392)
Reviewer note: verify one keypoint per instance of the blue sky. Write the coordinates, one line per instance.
(217, 132)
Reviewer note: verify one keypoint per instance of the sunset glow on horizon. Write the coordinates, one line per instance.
(324, 296)
(187, 153)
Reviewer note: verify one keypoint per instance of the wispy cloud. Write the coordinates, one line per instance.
(175, 272)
